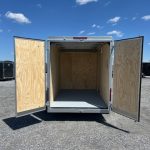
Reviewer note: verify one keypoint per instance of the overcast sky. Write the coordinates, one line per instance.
(43, 18)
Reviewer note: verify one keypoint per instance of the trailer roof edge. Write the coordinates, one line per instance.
(77, 38)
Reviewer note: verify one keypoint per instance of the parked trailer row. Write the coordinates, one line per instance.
(6, 70)
(146, 68)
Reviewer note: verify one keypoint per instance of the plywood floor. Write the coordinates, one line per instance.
(79, 98)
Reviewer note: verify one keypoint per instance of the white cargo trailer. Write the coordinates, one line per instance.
(79, 77)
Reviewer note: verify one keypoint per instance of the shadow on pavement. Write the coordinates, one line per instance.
(21, 122)
(17, 123)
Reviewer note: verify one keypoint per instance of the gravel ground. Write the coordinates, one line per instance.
(72, 131)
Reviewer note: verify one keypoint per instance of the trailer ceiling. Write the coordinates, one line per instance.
(78, 45)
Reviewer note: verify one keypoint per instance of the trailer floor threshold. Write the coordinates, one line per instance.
(78, 99)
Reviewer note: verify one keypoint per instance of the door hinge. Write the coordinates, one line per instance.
(110, 106)
(112, 48)
(47, 103)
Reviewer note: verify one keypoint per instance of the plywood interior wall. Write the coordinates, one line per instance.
(126, 81)
(98, 69)
(78, 70)
(104, 56)
(54, 71)
(30, 74)
(66, 71)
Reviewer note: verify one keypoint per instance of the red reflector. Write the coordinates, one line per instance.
(80, 38)
(110, 94)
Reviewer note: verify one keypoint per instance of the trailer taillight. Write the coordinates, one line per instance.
(110, 94)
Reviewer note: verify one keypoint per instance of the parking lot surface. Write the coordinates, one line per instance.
(42, 131)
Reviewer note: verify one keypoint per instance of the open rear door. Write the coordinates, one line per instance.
(29, 75)
(127, 77)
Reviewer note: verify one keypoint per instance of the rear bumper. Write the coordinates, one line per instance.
(77, 110)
